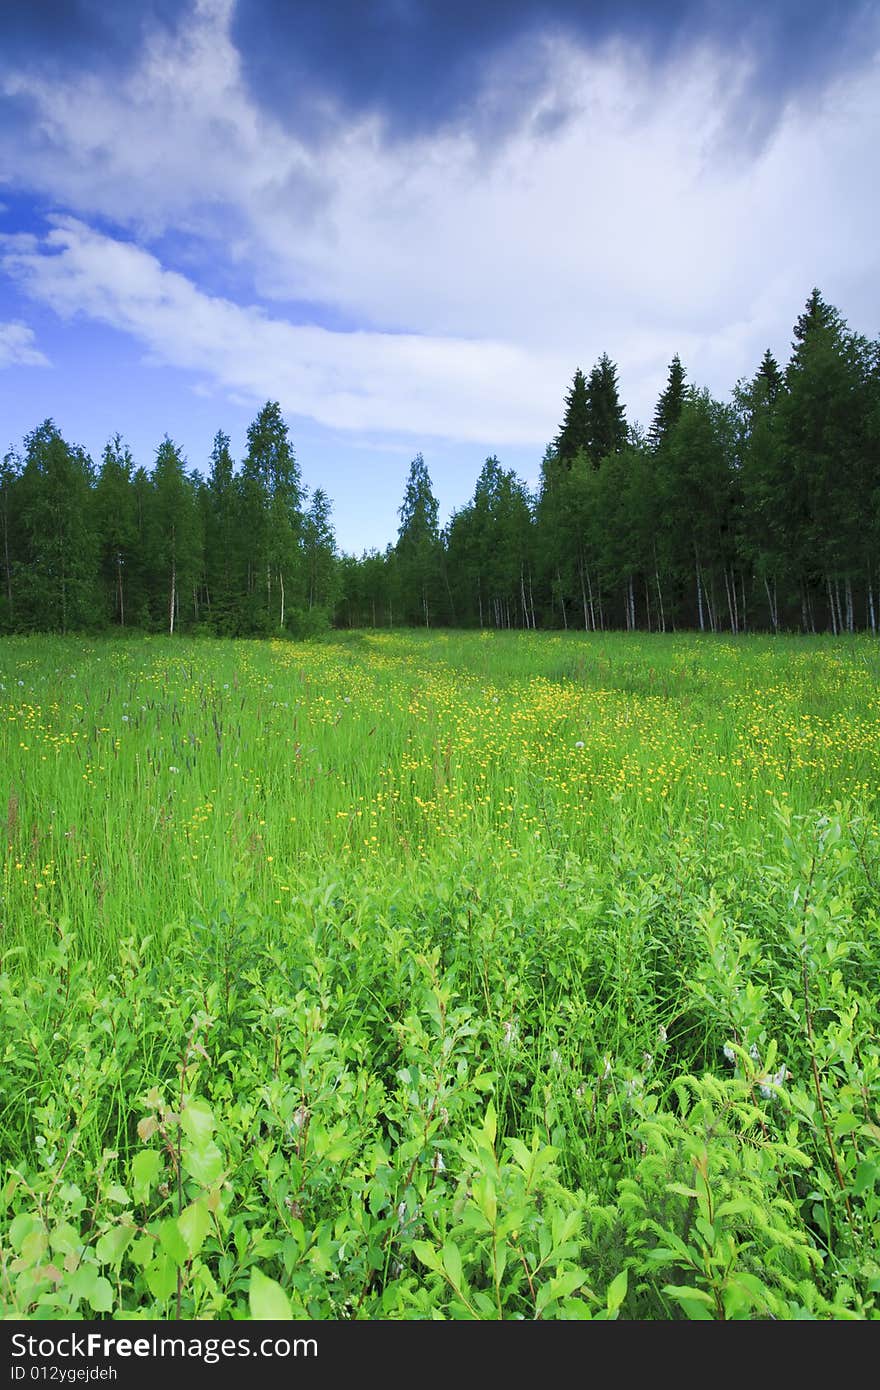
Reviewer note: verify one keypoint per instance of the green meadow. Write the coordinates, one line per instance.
(412, 975)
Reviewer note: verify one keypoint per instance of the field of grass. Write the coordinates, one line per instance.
(414, 975)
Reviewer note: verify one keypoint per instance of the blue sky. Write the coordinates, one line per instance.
(410, 221)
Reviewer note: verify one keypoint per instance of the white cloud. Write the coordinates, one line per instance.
(636, 227)
(449, 387)
(17, 347)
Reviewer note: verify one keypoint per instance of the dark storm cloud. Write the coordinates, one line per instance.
(420, 63)
(58, 34)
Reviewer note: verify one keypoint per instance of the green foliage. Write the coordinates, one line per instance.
(605, 1048)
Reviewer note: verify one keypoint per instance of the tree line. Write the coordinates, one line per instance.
(760, 513)
(236, 553)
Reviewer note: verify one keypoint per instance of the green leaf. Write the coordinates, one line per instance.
(616, 1291)
(142, 1251)
(490, 1124)
(846, 1123)
(101, 1297)
(427, 1254)
(161, 1277)
(20, 1227)
(145, 1168)
(172, 1241)
(452, 1263)
(866, 1176)
(484, 1196)
(194, 1223)
(82, 1281)
(682, 1189)
(197, 1121)
(113, 1244)
(204, 1162)
(684, 1293)
(267, 1300)
(34, 1246)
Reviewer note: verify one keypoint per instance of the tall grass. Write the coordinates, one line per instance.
(557, 945)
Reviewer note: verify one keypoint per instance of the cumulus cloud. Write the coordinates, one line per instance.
(464, 389)
(17, 347)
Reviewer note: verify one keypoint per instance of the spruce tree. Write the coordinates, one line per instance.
(826, 413)
(669, 406)
(114, 510)
(10, 532)
(607, 417)
(769, 378)
(816, 315)
(223, 540)
(272, 479)
(765, 516)
(574, 433)
(320, 553)
(418, 545)
(177, 555)
(60, 571)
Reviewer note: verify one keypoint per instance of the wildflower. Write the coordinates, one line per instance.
(729, 1054)
(509, 1033)
(580, 743)
(769, 1085)
(662, 1035)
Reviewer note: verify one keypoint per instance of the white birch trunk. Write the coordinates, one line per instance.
(831, 605)
(660, 599)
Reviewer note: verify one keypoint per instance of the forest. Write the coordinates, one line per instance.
(761, 513)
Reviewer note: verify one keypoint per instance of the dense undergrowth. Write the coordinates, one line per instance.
(408, 976)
